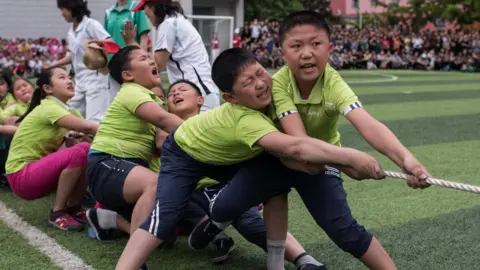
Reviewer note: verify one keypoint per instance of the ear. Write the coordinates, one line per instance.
(331, 47)
(47, 89)
(228, 97)
(127, 76)
(200, 101)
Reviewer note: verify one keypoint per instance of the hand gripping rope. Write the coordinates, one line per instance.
(438, 182)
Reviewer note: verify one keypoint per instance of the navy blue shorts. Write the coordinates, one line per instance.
(106, 176)
(179, 176)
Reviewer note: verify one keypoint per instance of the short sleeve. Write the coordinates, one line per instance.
(141, 23)
(96, 30)
(165, 37)
(252, 127)
(77, 113)
(133, 99)
(343, 97)
(54, 112)
(282, 98)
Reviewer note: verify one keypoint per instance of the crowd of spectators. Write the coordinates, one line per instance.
(367, 48)
(383, 48)
(27, 57)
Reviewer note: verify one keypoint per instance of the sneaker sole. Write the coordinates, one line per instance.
(65, 229)
(189, 243)
(224, 257)
(92, 225)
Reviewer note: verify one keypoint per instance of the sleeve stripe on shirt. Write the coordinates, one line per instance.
(352, 107)
(282, 115)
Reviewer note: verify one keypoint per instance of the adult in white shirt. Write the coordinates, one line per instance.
(179, 48)
(92, 89)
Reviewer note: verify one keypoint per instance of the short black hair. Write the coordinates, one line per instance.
(164, 8)
(78, 8)
(6, 75)
(197, 89)
(228, 65)
(303, 17)
(120, 62)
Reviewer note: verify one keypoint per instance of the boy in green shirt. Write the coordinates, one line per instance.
(227, 143)
(309, 96)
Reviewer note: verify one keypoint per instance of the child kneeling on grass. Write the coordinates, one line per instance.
(227, 143)
(118, 173)
(35, 165)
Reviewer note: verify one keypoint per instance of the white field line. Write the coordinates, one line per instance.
(59, 255)
(390, 78)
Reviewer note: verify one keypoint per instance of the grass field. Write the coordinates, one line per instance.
(436, 115)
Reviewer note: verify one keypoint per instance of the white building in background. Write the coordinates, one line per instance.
(42, 18)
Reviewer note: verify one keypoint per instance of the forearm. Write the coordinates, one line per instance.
(382, 139)
(8, 129)
(144, 42)
(168, 122)
(62, 62)
(306, 149)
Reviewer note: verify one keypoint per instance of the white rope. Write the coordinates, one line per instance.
(438, 182)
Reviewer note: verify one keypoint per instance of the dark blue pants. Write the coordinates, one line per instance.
(322, 194)
(250, 224)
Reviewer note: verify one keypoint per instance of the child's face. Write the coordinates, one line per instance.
(3, 88)
(22, 90)
(143, 70)
(183, 99)
(62, 86)
(306, 51)
(252, 88)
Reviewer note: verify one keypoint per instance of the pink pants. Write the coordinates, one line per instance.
(40, 178)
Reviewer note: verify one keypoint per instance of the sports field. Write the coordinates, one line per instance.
(435, 114)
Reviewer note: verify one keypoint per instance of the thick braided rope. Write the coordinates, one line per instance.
(438, 182)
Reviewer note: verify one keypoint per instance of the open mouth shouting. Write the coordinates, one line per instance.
(308, 68)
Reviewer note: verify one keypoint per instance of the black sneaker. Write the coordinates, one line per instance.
(310, 266)
(100, 234)
(202, 235)
(223, 249)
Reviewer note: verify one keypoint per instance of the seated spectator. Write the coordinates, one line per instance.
(33, 152)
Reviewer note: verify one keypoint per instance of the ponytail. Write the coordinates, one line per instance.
(38, 95)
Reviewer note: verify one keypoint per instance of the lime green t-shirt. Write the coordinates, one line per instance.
(115, 19)
(18, 109)
(121, 132)
(7, 99)
(224, 135)
(37, 135)
(330, 98)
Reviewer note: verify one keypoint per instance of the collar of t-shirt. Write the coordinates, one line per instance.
(316, 95)
(66, 106)
(81, 24)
